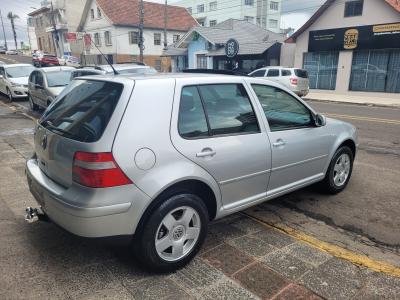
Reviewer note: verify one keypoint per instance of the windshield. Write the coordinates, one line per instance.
(59, 78)
(17, 72)
(138, 71)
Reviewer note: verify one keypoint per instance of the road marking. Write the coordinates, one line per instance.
(360, 118)
(353, 257)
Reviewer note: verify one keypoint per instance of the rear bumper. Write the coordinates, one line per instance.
(62, 206)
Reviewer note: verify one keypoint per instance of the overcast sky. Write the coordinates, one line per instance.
(294, 14)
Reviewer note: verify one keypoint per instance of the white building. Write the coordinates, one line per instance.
(32, 35)
(114, 30)
(265, 13)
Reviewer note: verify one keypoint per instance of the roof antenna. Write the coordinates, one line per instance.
(105, 57)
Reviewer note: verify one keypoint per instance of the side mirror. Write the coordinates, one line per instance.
(320, 120)
(1, 76)
(38, 86)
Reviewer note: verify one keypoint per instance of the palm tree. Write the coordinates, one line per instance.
(11, 17)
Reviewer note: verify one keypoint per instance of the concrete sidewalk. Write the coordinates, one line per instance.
(373, 99)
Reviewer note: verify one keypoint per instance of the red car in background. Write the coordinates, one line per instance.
(44, 60)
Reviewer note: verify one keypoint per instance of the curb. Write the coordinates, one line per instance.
(355, 103)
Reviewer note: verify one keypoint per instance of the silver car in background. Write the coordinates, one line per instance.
(157, 157)
(45, 84)
(294, 79)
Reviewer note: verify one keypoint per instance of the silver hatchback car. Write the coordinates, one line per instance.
(157, 157)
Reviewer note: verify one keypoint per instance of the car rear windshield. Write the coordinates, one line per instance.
(58, 78)
(301, 73)
(84, 111)
(49, 56)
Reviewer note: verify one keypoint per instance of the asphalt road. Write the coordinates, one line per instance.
(15, 59)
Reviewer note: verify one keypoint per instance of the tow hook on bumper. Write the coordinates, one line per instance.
(35, 214)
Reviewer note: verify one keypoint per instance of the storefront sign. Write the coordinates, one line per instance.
(360, 37)
(70, 36)
(231, 48)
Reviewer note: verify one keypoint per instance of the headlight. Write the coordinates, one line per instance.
(16, 85)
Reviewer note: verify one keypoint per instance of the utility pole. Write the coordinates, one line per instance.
(4, 33)
(165, 24)
(141, 23)
(55, 34)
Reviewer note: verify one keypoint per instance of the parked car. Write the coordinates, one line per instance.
(156, 158)
(14, 80)
(12, 52)
(129, 68)
(293, 78)
(85, 72)
(40, 59)
(46, 84)
(68, 60)
(2, 50)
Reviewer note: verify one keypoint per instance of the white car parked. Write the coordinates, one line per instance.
(293, 78)
(70, 61)
(14, 80)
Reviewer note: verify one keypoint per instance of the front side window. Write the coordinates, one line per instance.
(192, 121)
(157, 39)
(282, 110)
(353, 8)
(273, 73)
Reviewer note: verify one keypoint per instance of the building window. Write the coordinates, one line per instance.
(157, 39)
(322, 69)
(157, 65)
(176, 38)
(107, 38)
(98, 13)
(353, 8)
(201, 61)
(201, 23)
(200, 8)
(272, 23)
(92, 14)
(249, 2)
(274, 5)
(213, 5)
(97, 40)
(133, 37)
(375, 71)
(213, 23)
(249, 19)
(189, 9)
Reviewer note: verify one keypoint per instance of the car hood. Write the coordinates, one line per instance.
(20, 80)
(55, 91)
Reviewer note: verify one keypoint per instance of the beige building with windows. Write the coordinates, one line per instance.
(351, 47)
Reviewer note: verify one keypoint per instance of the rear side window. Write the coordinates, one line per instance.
(217, 109)
(286, 72)
(273, 73)
(84, 111)
(301, 73)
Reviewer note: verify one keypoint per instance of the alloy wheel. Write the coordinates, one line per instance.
(341, 169)
(177, 233)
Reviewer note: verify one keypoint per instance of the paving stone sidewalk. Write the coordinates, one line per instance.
(241, 259)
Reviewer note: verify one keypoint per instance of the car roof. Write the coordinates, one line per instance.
(117, 67)
(55, 69)
(17, 65)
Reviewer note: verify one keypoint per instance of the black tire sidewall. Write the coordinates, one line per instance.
(9, 95)
(32, 104)
(144, 242)
(330, 184)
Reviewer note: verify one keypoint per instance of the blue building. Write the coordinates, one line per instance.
(204, 47)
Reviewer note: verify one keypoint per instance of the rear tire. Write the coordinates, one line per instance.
(173, 233)
(9, 95)
(339, 172)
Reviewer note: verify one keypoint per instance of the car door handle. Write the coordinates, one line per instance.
(279, 143)
(206, 152)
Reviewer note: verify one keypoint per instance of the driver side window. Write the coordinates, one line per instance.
(283, 111)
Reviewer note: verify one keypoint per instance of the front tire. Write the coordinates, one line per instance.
(32, 104)
(339, 171)
(9, 95)
(173, 233)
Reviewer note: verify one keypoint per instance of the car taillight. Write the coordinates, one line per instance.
(97, 170)
(293, 81)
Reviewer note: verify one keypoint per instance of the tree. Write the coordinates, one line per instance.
(11, 17)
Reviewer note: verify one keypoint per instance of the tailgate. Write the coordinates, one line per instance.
(84, 119)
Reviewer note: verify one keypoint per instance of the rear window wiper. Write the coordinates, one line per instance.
(49, 125)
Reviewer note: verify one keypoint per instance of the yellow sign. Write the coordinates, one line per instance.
(386, 27)
(351, 39)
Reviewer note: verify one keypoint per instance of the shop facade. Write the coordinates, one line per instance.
(351, 47)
